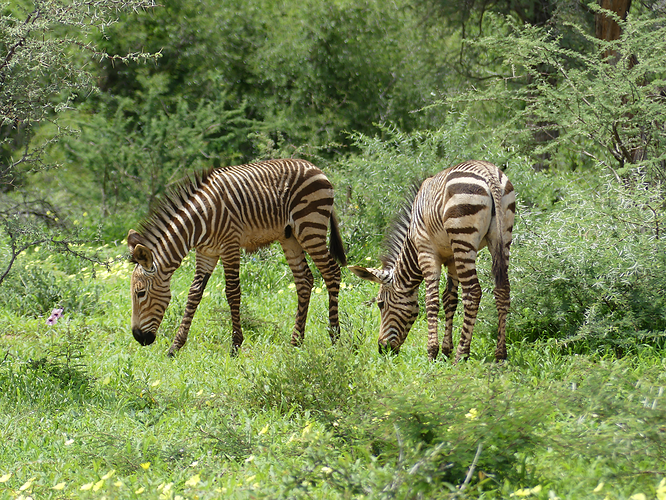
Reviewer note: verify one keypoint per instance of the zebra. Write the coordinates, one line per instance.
(454, 214)
(220, 211)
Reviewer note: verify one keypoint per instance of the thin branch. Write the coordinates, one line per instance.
(470, 472)
(12, 50)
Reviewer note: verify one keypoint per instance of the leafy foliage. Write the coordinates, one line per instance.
(590, 270)
(44, 49)
(606, 107)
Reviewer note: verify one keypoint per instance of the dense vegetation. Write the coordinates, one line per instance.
(103, 105)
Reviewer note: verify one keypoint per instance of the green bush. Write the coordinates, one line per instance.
(40, 283)
(591, 271)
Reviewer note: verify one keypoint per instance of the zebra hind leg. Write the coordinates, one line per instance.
(330, 272)
(450, 304)
(502, 301)
(471, 295)
(304, 281)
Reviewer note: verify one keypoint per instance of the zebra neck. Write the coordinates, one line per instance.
(168, 253)
(407, 273)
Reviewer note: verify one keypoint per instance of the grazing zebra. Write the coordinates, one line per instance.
(217, 213)
(454, 214)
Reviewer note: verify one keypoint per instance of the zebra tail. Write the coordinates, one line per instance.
(336, 246)
(500, 265)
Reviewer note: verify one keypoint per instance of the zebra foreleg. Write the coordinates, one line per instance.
(231, 264)
(193, 298)
(449, 303)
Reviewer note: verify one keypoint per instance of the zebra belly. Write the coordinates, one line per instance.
(252, 241)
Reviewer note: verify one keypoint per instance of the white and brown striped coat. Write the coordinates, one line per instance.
(454, 214)
(220, 212)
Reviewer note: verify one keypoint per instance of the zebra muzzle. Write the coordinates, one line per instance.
(143, 338)
(388, 348)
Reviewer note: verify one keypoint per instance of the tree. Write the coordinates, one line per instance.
(603, 111)
(45, 52)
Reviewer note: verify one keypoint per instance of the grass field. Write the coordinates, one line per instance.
(86, 412)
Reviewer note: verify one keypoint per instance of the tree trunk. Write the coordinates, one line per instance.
(605, 27)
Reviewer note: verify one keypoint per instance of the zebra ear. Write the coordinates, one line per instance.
(139, 252)
(133, 239)
(143, 256)
(374, 275)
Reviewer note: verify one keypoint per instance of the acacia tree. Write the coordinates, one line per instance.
(606, 112)
(46, 47)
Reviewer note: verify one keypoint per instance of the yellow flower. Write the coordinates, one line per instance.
(140, 490)
(523, 492)
(87, 486)
(155, 383)
(145, 466)
(638, 496)
(307, 429)
(27, 484)
(5, 478)
(661, 490)
(98, 485)
(264, 430)
(599, 487)
(473, 414)
(59, 486)
(109, 474)
(193, 481)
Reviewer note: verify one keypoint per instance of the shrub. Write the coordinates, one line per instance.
(591, 272)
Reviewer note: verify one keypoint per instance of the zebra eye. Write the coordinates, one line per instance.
(380, 304)
(141, 294)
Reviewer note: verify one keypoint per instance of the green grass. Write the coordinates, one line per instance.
(86, 412)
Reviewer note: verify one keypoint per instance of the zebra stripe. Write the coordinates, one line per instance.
(453, 215)
(218, 213)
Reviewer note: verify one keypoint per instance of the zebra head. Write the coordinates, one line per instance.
(398, 307)
(150, 292)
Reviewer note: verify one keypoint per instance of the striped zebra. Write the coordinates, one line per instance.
(217, 213)
(454, 215)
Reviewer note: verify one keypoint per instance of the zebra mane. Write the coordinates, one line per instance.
(397, 233)
(175, 198)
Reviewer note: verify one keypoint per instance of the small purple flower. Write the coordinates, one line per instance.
(56, 314)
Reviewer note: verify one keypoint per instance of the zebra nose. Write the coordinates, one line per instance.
(388, 348)
(143, 338)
